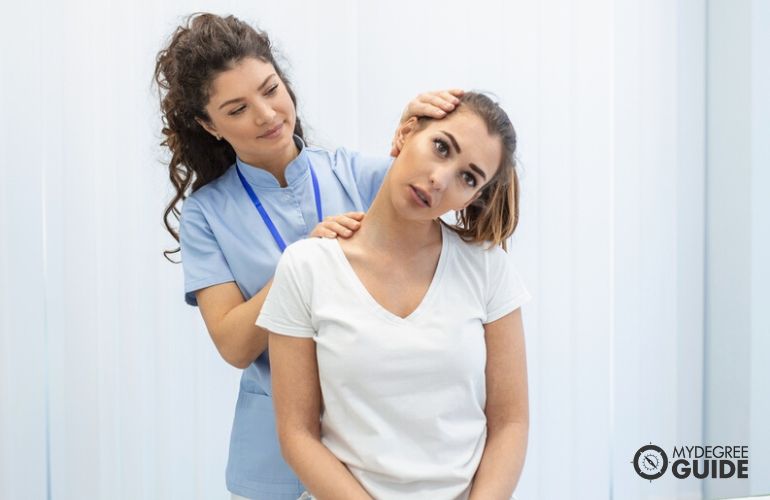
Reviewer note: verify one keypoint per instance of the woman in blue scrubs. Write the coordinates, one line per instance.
(237, 145)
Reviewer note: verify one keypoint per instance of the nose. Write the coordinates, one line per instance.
(264, 114)
(439, 178)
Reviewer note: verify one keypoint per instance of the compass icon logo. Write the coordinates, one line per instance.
(650, 462)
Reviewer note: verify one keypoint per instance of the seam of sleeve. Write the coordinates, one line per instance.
(508, 307)
(196, 285)
(268, 323)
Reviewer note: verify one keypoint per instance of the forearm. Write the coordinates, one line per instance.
(235, 334)
(319, 470)
(502, 462)
(240, 337)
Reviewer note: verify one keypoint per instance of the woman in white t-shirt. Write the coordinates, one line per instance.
(398, 355)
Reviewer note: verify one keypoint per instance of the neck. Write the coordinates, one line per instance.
(384, 230)
(275, 163)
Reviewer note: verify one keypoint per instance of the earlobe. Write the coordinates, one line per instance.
(398, 145)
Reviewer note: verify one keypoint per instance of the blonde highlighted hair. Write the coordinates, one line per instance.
(494, 215)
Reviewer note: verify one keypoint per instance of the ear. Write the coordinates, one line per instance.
(208, 127)
(402, 133)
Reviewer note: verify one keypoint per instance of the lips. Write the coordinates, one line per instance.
(273, 132)
(421, 196)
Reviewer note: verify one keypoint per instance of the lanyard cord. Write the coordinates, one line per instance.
(266, 217)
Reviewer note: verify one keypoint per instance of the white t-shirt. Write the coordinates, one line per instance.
(403, 398)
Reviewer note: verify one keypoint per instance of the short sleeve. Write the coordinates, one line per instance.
(505, 289)
(286, 310)
(368, 174)
(202, 258)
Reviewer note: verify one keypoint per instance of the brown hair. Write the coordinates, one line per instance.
(494, 215)
(202, 48)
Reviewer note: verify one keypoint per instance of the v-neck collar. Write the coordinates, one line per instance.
(361, 289)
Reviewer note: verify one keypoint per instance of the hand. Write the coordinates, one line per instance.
(434, 104)
(338, 225)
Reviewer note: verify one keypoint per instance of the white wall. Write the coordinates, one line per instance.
(738, 242)
(110, 386)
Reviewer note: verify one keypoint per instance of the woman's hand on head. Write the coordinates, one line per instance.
(436, 104)
(334, 226)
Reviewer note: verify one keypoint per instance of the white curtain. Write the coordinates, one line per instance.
(110, 385)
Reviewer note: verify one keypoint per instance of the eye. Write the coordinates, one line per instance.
(237, 111)
(469, 179)
(272, 90)
(441, 147)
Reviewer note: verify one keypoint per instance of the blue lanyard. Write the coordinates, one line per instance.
(265, 217)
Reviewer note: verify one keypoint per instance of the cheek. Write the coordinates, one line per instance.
(240, 129)
(461, 198)
(397, 171)
(287, 105)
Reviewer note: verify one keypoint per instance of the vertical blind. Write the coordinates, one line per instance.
(110, 386)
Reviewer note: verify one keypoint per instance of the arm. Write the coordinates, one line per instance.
(230, 321)
(297, 400)
(507, 409)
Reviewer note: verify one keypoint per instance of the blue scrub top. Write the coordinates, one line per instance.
(224, 239)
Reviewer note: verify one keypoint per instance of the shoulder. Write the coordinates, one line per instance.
(212, 193)
(343, 159)
(334, 158)
(305, 263)
(491, 271)
(485, 258)
(304, 247)
(203, 204)
(471, 251)
(308, 253)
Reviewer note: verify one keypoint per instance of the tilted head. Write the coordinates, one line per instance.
(465, 163)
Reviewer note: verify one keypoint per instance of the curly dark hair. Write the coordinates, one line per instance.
(198, 52)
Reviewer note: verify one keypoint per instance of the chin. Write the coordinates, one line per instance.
(408, 212)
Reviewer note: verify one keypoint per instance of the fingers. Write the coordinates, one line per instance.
(322, 232)
(433, 104)
(349, 220)
(444, 99)
(338, 229)
(338, 225)
(359, 216)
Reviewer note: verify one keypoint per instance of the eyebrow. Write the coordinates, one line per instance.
(476, 169)
(237, 99)
(454, 142)
(473, 166)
